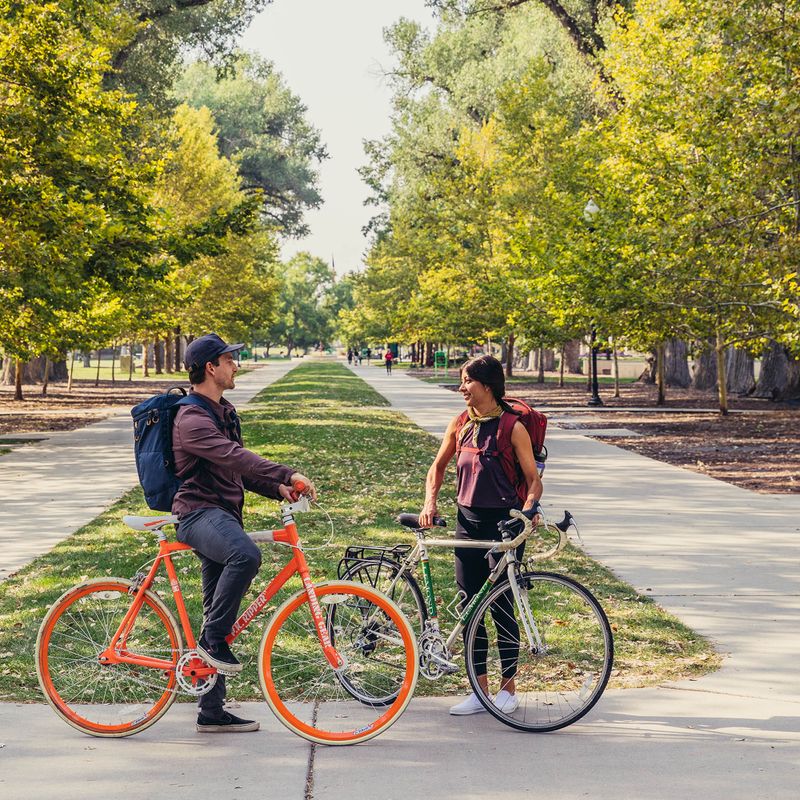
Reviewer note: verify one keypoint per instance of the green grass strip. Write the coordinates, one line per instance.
(369, 463)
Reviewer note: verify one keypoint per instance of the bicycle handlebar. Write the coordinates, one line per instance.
(527, 530)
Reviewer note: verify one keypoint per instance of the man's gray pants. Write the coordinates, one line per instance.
(230, 560)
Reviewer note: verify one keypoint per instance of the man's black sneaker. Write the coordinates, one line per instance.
(219, 656)
(227, 723)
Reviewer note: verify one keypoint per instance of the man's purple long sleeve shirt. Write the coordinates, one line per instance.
(214, 466)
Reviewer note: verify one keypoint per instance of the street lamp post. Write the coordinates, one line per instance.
(589, 213)
(595, 399)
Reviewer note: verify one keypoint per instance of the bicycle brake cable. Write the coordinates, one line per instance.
(330, 538)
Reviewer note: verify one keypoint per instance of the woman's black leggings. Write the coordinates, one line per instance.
(472, 570)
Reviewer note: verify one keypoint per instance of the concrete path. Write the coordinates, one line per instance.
(724, 559)
(53, 487)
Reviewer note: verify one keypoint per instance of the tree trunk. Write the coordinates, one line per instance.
(59, 371)
(71, 369)
(178, 366)
(97, 374)
(145, 359)
(740, 371)
(46, 378)
(616, 367)
(705, 370)
(540, 376)
(722, 384)
(158, 355)
(428, 354)
(113, 362)
(779, 378)
(660, 359)
(18, 380)
(168, 355)
(561, 369)
(33, 371)
(130, 363)
(572, 352)
(676, 367)
(510, 356)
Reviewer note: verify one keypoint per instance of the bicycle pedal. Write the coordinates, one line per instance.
(228, 673)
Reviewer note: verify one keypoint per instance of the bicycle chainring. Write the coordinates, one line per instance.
(188, 683)
(434, 658)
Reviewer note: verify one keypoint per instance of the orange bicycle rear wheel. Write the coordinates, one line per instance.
(316, 701)
(115, 699)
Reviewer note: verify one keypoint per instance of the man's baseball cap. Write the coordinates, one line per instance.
(206, 348)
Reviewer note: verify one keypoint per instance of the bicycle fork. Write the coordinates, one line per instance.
(535, 643)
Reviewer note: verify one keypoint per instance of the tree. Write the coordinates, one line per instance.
(263, 128)
(162, 30)
(74, 208)
(304, 316)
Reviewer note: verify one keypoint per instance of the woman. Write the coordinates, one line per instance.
(485, 497)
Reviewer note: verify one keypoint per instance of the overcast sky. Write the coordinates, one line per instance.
(332, 55)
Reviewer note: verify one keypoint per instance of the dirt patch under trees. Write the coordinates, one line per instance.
(60, 410)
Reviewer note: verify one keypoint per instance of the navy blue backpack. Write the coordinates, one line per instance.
(152, 444)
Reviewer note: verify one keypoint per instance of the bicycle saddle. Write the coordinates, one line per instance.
(412, 521)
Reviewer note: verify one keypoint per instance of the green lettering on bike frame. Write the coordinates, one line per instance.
(426, 578)
(474, 602)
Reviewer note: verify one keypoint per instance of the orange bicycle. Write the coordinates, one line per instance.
(111, 659)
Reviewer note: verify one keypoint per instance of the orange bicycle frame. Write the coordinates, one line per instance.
(116, 652)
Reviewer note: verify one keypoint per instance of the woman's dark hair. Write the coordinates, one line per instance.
(198, 374)
(488, 371)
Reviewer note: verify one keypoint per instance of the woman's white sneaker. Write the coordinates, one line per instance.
(469, 706)
(506, 702)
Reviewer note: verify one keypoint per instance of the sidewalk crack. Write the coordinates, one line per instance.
(309, 791)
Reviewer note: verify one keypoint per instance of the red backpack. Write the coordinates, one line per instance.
(534, 422)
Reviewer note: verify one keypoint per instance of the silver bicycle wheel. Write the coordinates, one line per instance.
(560, 655)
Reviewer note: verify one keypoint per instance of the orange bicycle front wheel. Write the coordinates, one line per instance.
(106, 699)
(347, 705)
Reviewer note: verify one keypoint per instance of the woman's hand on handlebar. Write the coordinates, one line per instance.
(426, 515)
(533, 513)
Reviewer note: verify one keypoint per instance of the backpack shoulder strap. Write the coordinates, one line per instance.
(199, 401)
(460, 423)
(507, 423)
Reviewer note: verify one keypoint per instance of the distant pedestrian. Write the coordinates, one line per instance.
(349, 356)
(388, 358)
(369, 355)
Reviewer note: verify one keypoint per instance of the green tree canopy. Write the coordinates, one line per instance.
(262, 127)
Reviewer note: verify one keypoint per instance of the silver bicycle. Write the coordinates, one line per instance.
(544, 627)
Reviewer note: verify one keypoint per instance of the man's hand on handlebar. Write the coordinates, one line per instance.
(299, 485)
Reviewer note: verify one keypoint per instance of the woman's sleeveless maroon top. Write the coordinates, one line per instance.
(481, 479)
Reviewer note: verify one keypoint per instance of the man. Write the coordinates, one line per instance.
(215, 470)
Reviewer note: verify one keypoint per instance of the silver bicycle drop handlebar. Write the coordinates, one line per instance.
(527, 530)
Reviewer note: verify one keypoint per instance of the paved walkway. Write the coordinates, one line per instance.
(722, 558)
(53, 487)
